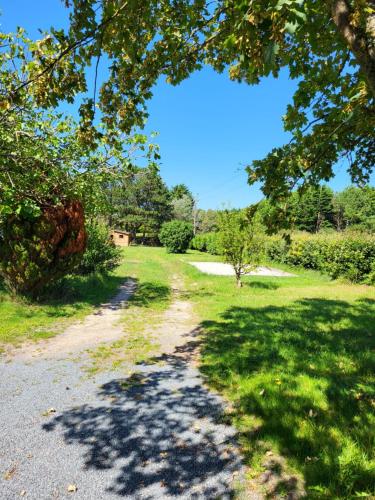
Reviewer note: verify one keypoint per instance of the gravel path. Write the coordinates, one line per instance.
(151, 431)
(221, 269)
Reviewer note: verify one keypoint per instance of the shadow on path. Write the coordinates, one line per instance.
(159, 429)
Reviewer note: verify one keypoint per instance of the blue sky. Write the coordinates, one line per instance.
(209, 127)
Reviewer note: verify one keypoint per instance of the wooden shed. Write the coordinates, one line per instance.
(121, 238)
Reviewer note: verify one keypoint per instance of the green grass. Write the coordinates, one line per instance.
(22, 320)
(295, 356)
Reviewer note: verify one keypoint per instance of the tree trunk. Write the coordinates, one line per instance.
(360, 42)
(238, 280)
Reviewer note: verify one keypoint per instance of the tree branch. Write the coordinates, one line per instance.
(360, 42)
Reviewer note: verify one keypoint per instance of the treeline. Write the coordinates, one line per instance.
(320, 208)
(141, 202)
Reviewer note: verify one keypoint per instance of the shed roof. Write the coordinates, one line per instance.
(119, 231)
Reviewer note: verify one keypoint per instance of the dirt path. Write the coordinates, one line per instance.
(100, 326)
(150, 431)
(177, 332)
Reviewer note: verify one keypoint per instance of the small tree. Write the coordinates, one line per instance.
(176, 236)
(242, 244)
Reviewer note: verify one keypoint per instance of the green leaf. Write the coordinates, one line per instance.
(270, 54)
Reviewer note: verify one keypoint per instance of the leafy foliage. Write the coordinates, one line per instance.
(183, 208)
(176, 236)
(208, 242)
(347, 256)
(37, 250)
(242, 246)
(355, 208)
(207, 221)
(319, 208)
(101, 254)
(327, 46)
(178, 191)
(314, 211)
(51, 171)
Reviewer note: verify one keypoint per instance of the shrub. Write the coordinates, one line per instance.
(306, 252)
(276, 248)
(207, 242)
(176, 236)
(37, 251)
(199, 242)
(101, 254)
(348, 256)
(214, 246)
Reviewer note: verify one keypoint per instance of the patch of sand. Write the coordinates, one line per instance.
(221, 269)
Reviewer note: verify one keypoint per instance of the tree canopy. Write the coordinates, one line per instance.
(179, 191)
(140, 201)
(327, 46)
(320, 208)
(51, 175)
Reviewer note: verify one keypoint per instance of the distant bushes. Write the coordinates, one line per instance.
(176, 236)
(207, 242)
(101, 254)
(347, 256)
(350, 256)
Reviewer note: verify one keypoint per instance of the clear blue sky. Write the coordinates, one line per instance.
(209, 127)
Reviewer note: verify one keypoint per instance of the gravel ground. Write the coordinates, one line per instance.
(222, 269)
(151, 431)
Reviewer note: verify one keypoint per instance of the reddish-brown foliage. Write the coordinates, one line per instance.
(69, 234)
(36, 252)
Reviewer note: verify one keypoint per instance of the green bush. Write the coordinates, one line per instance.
(176, 236)
(308, 253)
(214, 246)
(348, 256)
(276, 248)
(207, 242)
(101, 254)
(199, 242)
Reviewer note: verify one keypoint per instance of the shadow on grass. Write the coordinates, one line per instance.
(102, 290)
(88, 290)
(261, 285)
(302, 379)
(148, 293)
(142, 427)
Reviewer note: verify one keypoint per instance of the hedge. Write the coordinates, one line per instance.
(347, 256)
(207, 242)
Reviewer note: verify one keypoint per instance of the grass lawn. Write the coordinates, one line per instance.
(153, 271)
(296, 358)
